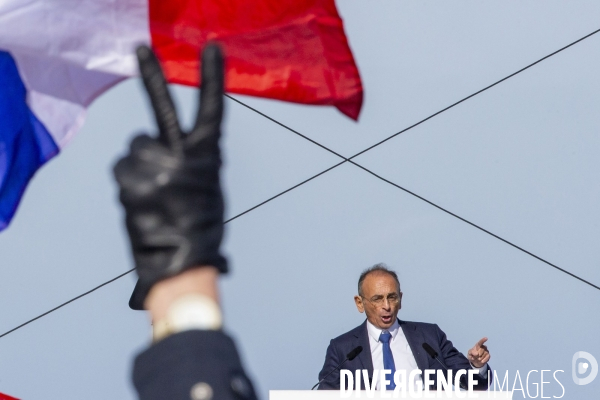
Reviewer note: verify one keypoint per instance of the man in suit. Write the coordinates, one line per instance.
(392, 344)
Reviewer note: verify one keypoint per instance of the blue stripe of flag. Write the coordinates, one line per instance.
(25, 144)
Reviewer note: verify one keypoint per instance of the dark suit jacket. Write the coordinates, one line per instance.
(416, 334)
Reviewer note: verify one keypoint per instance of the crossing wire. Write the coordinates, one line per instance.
(356, 164)
(67, 302)
(407, 191)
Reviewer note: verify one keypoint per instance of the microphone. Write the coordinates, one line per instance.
(352, 355)
(349, 357)
(434, 354)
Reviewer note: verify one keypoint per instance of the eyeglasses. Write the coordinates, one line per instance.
(392, 298)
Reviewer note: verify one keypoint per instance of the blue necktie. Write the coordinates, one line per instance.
(388, 358)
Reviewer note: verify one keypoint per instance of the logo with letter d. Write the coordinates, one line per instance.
(580, 367)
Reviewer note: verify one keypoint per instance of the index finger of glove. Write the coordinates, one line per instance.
(210, 112)
(160, 98)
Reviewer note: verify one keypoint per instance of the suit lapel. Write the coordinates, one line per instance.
(415, 341)
(362, 339)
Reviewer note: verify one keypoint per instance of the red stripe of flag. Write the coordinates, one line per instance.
(7, 397)
(292, 50)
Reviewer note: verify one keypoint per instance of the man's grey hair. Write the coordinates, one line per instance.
(381, 267)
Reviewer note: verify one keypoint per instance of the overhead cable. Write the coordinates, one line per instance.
(349, 160)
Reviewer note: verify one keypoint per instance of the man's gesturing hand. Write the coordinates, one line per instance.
(479, 354)
(169, 184)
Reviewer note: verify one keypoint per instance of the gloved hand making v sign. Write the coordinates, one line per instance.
(169, 183)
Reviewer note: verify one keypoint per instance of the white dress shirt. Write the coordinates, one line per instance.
(403, 355)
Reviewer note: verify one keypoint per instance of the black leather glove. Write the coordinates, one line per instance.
(169, 185)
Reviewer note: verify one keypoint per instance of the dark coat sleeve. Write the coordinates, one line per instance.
(202, 361)
(455, 360)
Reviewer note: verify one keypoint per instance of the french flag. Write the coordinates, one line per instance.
(57, 56)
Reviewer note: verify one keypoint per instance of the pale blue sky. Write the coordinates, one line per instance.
(521, 160)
